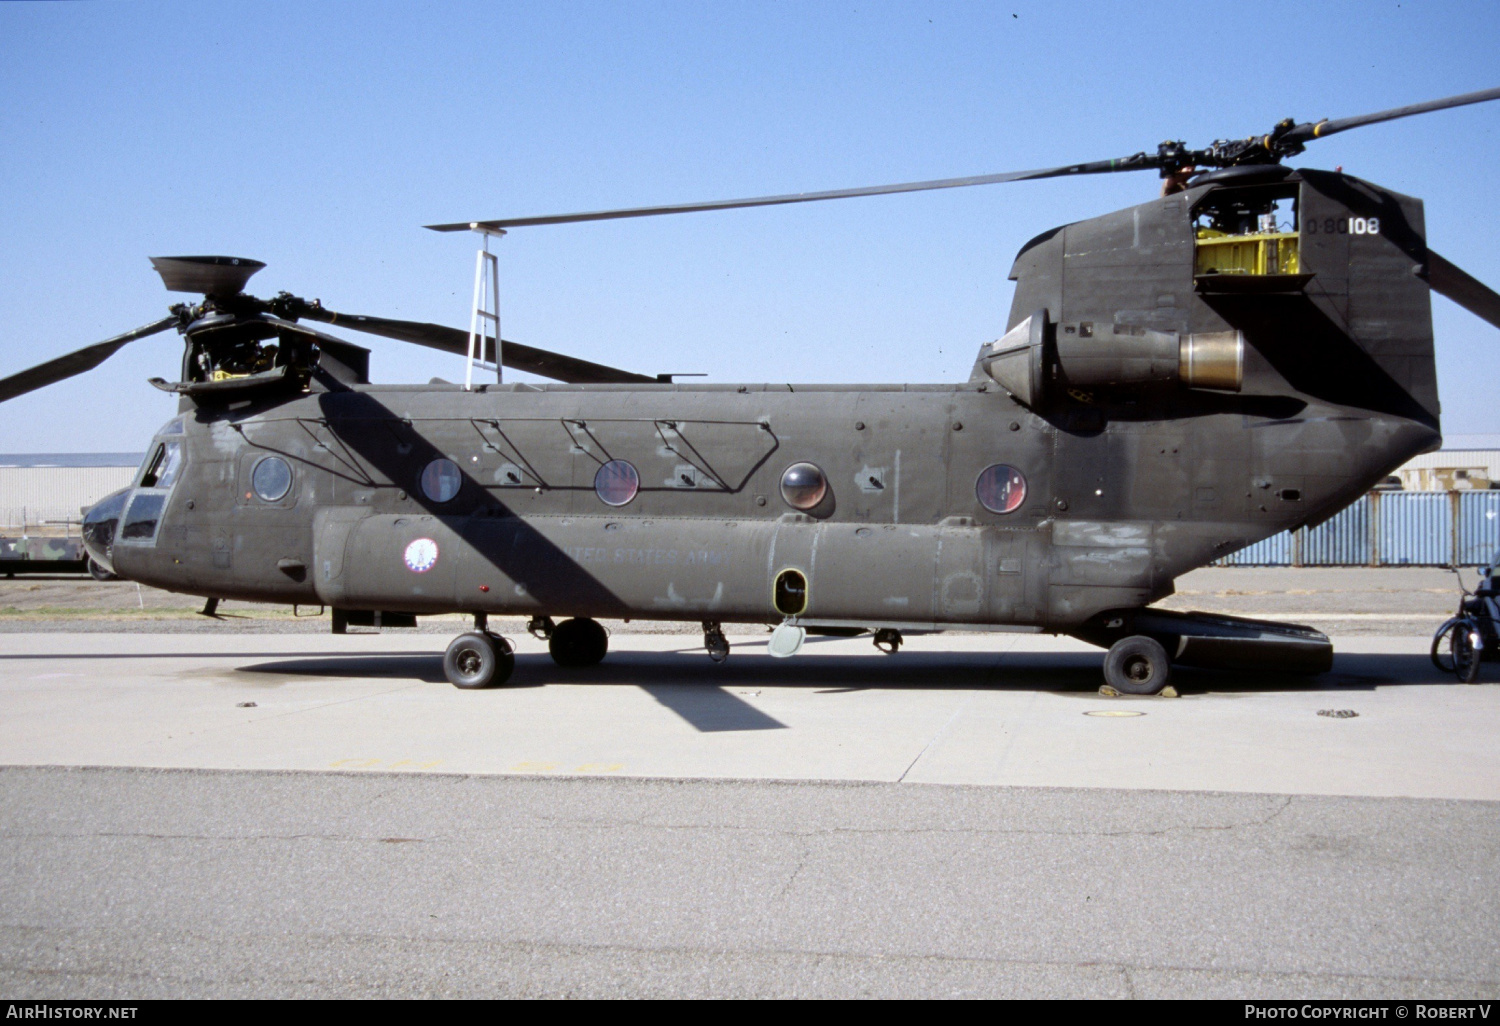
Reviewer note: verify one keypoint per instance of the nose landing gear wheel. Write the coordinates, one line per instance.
(478, 659)
(578, 642)
(1137, 665)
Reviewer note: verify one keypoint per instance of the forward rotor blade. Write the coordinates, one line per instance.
(76, 362)
(1322, 129)
(569, 369)
(1463, 288)
(322, 338)
(1139, 161)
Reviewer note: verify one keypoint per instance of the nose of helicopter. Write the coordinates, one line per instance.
(100, 525)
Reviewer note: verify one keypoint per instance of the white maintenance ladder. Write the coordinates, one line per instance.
(484, 317)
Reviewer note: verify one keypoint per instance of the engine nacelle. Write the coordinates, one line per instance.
(1031, 358)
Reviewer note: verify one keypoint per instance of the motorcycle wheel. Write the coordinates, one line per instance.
(1442, 656)
(1466, 654)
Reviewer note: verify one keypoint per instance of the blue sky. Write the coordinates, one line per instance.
(319, 137)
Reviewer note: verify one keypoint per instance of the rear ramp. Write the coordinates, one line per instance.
(1213, 641)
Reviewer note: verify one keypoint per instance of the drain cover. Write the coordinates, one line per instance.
(1338, 714)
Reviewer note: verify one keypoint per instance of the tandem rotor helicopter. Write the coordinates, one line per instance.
(1248, 353)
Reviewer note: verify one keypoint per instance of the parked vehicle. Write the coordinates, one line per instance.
(43, 555)
(1462, 643)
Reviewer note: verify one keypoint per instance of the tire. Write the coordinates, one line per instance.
(506, 657)
(98, 572)
(578, 642)
(477, 660)
(1137, 665)
(1442, 655)
(1466, 655)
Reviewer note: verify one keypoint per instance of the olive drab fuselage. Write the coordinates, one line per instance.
(1126, 482)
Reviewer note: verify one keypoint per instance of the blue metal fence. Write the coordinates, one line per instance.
(1416, 529)
(1343, 540)
(1390, 529)
(1478, 527)
(1273, 551)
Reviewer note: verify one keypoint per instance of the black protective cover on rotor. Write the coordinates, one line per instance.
(76, 362)
(209, 275)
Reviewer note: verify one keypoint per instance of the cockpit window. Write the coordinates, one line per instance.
(163, 466)
(171, 427)
(141, 518)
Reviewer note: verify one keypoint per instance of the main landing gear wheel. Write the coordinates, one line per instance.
(478, 659)
(578, 642)
(98, 572)
(714, 641)
(1137, 665)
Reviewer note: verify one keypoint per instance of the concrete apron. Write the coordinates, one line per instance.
(955, 709)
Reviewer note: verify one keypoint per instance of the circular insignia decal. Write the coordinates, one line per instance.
(421, 555)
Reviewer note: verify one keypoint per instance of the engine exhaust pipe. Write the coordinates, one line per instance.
(1213, 359)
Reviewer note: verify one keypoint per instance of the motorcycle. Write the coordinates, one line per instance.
(1463, 641)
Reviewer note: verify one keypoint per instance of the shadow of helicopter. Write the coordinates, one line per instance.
(705, 695)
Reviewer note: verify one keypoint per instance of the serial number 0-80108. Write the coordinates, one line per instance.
(1343, 226)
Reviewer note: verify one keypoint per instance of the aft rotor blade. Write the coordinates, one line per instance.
(1302, 133)
(1463, 288)
(1137, 162)
(76, 362)
(543, 362)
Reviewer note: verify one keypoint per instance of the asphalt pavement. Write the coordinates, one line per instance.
(137, 884)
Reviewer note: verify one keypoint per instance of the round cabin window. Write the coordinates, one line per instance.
(271, 479)
(441, 480)
(616, 483)
(1001, 489)
(803, 486)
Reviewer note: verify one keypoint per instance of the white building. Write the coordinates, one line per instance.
(41, 492)
(1465, 462)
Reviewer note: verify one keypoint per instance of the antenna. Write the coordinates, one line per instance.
(484, 315)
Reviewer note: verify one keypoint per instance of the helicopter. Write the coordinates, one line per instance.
(1248, 352)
